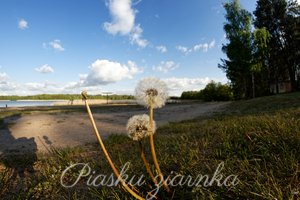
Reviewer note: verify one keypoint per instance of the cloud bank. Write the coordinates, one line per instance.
(178, 85)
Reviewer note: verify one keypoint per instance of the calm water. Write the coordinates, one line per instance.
(21, 103)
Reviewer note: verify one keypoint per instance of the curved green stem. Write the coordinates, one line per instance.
(106, 153)
(147, 164)
(153, 149)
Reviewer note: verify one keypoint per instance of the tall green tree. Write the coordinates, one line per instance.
(292, 42)
(280, 19)
(238, 49)
(260, 70)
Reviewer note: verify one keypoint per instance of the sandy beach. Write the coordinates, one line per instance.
(38, 131)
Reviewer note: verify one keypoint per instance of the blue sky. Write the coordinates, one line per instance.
(66, 46)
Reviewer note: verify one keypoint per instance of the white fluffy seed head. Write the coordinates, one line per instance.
(151, 90)
(138, 127)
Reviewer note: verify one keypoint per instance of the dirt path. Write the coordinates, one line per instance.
(39, 131)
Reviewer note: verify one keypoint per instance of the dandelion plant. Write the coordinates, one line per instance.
(138, 128)
(152, 93)
(116, 172)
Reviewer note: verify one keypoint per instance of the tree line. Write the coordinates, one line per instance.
(213, 91)
(64, 97)
(263, 49)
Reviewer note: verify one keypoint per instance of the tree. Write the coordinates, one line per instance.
(281, 20)
(216, 92)
(260, 71)
(212, 92)
(238, 50)
(292, 41)
(190, 95)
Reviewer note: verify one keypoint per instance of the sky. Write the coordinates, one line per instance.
(66, 46)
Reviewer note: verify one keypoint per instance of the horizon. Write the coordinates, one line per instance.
(55, 47)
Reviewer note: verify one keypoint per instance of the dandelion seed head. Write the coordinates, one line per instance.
(151, 91)
(138, 127)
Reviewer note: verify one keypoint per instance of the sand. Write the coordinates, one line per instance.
(43, 130)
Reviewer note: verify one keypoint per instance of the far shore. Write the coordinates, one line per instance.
(78, 102)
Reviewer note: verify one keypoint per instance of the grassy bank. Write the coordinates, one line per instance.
(258, 140)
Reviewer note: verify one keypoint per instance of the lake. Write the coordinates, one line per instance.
(26, 103)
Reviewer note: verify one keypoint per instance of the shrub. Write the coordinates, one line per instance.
(190, 95)
(216, 92)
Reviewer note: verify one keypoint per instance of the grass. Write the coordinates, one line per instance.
(258, 140)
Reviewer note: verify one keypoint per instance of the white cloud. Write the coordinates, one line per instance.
(178, 85)
(8, 87)
(123, 17)
(51, 88)
(5, 85)
(43, 88)
(161, 48)
(32, 88)
(104, 72)
(205, 46)
(35, 86)
(123, 22)
(136, 37)
(23, 24)
(212, 44)
(199, 47)
(3, 76)
(45, 69)
(183, 49)
(56, 45)
(166, 66)
(92, 84)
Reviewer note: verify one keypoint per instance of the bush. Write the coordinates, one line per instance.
(216, 92)
(190, 95)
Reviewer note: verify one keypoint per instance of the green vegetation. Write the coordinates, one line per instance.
(64, 97)
(238, 49)
(258, 140)
(212, 92)
(263, 60)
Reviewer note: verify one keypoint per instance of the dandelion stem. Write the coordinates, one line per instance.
(153, 149)
(147, 164)
(106, 153)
